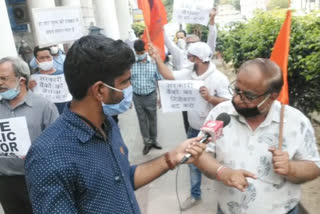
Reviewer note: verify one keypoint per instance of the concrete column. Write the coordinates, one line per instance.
(38, 4)
(124, 18)
(8, 47)
(88, 14)
(75, 3)
(106, 17)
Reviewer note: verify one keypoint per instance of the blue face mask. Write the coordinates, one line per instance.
(123, 106)
(142, 56)
(11, 93)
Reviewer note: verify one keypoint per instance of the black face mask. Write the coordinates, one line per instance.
(246, 112)
(249, 112)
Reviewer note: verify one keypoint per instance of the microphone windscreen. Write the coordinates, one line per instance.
(225, 118)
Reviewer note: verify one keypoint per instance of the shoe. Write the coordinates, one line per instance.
(146, 149)
(190, 202)
(156, 145)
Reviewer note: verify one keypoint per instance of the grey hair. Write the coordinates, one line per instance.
(194, 37)
(20, 67)
(270, 70)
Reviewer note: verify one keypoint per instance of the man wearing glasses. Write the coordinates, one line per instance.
(250, 142)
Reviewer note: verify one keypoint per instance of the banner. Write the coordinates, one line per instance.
(280, 54)
(52, 87)
(57, 25)
(155, 17)
(181, 95)
(192, 12)
(14, 137)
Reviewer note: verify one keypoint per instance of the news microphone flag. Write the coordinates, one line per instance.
(212, 128)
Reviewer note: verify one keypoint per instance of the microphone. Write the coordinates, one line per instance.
(211, 128)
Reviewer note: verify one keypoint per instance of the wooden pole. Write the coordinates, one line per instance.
(281, 127)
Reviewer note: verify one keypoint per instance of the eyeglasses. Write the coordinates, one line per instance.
(5, 78)
(245, 96)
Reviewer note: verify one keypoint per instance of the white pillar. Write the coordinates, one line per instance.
(71, 3)
(38, 4)
(124, 18)
(88, 14)
(8, 47)
(106, 17)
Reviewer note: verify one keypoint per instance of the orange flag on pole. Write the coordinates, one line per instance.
(155, 17)
(280, 55)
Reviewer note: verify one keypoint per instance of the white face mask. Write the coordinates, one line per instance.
(54, 50)
(46, 66)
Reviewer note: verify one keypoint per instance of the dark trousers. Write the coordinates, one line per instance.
(185, 121)
(14, 195)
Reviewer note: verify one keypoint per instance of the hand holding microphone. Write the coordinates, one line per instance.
(212, 128)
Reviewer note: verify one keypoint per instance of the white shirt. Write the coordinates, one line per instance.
(217, 84)
(242, 148)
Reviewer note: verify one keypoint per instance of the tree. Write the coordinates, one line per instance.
(276, 4)
(256, 38)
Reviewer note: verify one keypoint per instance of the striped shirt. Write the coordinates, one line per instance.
(144, 77)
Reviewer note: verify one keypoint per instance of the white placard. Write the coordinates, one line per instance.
(191, 11)
(52, 87)
(57, 25)
(181, 95)
(14, 137)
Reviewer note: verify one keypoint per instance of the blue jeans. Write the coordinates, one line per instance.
(195, 174)
(295, 210)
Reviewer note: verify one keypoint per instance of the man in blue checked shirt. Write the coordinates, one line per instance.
(80, 163)
(144, 77)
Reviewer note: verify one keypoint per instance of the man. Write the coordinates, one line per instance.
(250, 142)
(144, 78)
(45, 61)
(57, 55)
(80, 164)
(18, 101)
(179, 51)
(214, 91)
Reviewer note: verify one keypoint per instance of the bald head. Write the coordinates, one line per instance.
(263, 72)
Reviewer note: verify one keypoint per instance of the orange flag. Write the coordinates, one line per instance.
(280, 55)
(155, 17)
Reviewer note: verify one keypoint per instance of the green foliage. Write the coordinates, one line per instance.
(256, 38)
(199, 30)
(138, 28)
(168, 4)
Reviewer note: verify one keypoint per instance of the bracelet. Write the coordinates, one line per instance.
(219, 170)
(171, 166)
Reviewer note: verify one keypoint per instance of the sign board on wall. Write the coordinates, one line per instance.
(57, 25)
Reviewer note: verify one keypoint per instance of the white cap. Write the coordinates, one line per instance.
(201, 50)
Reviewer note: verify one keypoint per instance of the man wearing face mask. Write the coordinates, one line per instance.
(58, 58)
(144, 78)
(214, 91)
(17, 101)
(80, 164)
(250, 142)
(45, 63)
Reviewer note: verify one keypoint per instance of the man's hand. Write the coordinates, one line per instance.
(191, 146)
(153, 52)
(281, 163)
(235, 178)
(32, 84)
(204, 92)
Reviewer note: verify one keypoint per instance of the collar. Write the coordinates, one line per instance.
(79, 127)
(205, 75)
(27, 99)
